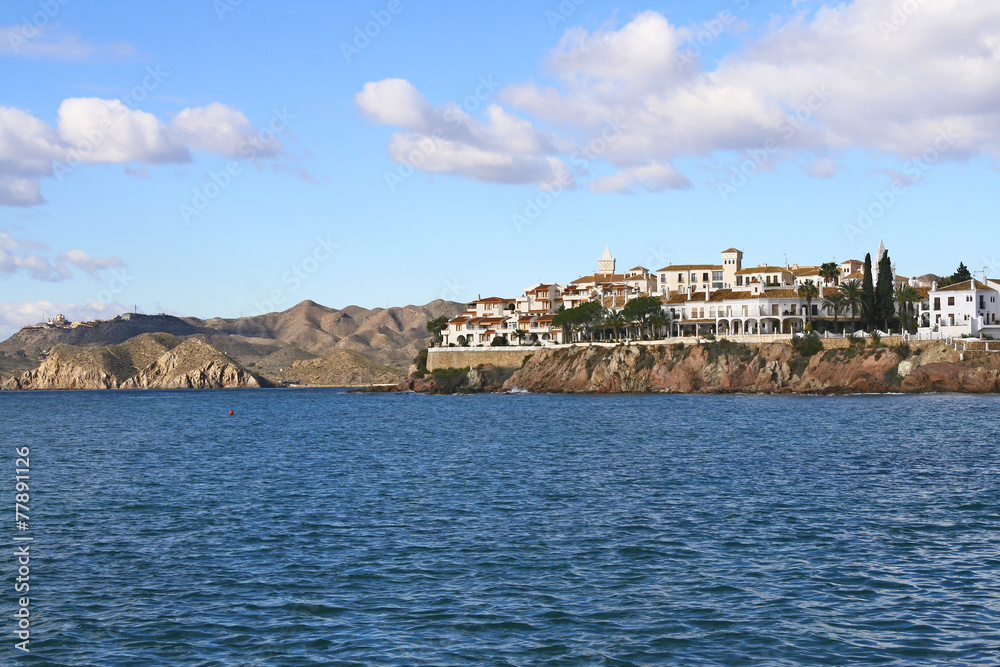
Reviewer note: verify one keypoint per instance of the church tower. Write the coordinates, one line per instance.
(606, 264)
(878, 260)
(732, 261)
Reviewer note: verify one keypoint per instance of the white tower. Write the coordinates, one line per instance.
(606, 264)
(878, 260)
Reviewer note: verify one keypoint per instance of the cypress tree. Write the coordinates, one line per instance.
(868, 315)
(885, 306)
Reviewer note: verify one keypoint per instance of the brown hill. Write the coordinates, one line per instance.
(340, 368)
(270, 344)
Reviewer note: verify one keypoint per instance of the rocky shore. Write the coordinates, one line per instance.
(149, 361)
(723, 367)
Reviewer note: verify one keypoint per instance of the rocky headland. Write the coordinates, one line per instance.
(724, 367)
(149, 361)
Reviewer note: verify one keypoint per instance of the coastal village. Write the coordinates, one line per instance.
(732, 300)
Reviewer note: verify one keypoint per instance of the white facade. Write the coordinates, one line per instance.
(971, 308)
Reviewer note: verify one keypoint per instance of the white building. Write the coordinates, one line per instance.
(971, 308)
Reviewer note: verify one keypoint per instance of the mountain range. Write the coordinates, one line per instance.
(306, 344)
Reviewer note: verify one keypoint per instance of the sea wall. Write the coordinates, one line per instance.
(457, 357)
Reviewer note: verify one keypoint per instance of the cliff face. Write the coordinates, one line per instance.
(774, 368)
(151, 361)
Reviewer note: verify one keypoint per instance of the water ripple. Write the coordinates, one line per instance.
(319, 527)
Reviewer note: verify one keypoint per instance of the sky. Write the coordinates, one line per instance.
(233, 157)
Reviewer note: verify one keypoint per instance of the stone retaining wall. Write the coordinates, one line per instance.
(452, 357)
(513, 357)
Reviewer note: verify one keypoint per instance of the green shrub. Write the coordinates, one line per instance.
(876, 339)
(420, 361)
(808, 345)
(903, 350)
(499, 341)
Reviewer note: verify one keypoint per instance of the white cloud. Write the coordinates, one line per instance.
(396, 102)
(99, 130)
(92, 130)
(46, 43)
(653, 178)
(823, 168)
(221, 130)
(876, 76)
(502, 149)
(17, 255)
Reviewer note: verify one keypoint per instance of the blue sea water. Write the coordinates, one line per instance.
(318, 527)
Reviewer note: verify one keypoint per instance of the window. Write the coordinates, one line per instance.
(739, 281)
(951, 301)
(716, 275)
(937, 303)
(704, 277)
(663, 277)
(694, 277)
(680, 277)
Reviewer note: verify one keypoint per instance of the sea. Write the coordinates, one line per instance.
(323, 527)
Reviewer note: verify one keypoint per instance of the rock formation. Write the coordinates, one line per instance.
(149, 361)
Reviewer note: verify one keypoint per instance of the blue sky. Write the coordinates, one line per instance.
(218, 158)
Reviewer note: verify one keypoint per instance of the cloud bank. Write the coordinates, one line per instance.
(877, 76)
(25, 256)
(94, 131)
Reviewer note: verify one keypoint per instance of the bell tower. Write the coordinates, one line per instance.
(606, 264)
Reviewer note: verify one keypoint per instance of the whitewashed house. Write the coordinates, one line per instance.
(970, 308)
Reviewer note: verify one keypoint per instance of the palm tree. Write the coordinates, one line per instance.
(830, 272)
(520, 334)
(616, 321)
(808, 291)
(835, 302)
(853, 292)
(657, 321)
(906, 296)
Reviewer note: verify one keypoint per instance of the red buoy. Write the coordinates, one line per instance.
(230, 413)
